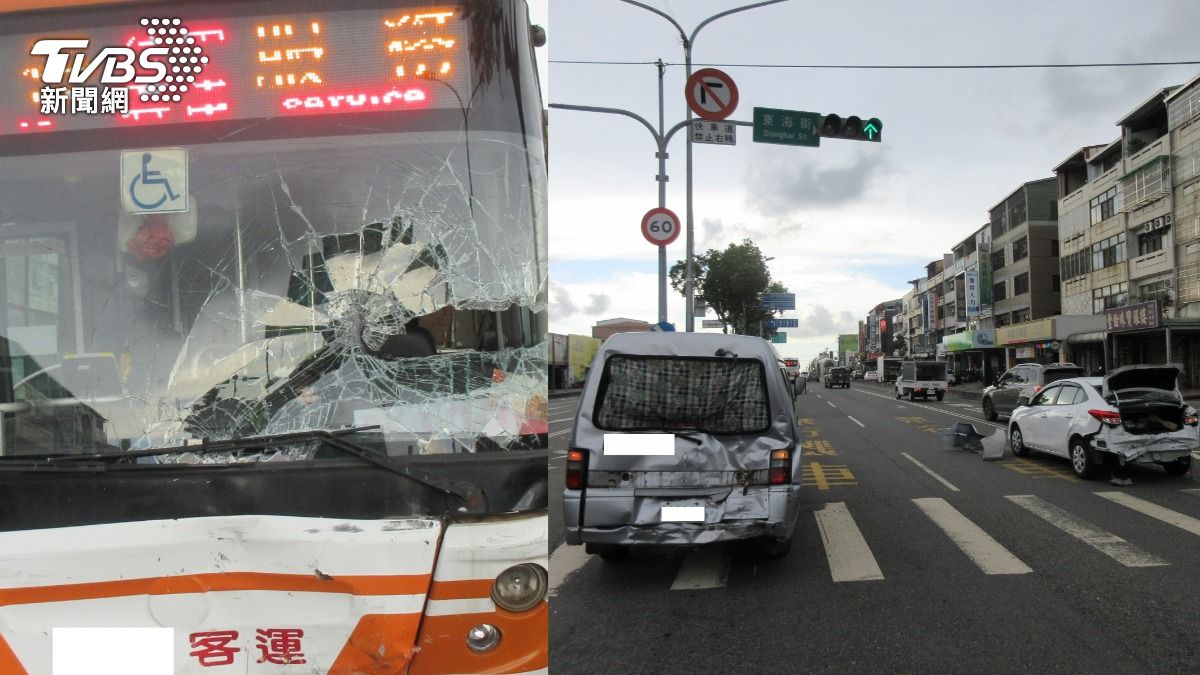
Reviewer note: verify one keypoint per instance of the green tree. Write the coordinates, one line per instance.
(733, 282)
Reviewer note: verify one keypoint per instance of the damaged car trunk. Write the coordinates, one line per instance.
(1147, 399)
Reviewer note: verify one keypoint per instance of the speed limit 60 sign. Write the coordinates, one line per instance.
(660, 226)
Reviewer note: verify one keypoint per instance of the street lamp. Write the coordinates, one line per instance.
(688, 41)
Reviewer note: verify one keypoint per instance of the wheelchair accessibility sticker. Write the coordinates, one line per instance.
(154, 181)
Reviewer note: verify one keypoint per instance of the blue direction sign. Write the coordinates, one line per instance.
(779, 301)
(783, 323)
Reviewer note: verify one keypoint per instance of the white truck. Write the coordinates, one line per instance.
(888, 368)
(921, 378)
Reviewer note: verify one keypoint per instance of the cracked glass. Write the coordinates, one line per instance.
(373, 270)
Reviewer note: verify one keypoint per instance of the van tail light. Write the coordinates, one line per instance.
(781, 467)
(1109, 417)
(576, 469)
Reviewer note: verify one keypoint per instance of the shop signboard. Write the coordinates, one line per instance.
(971, 280)
(1040, 330)
(1142, 316)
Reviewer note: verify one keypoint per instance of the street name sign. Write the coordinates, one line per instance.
(779, 301)
(712, 323)
(779, 338)
(787, 127)
(783, 323)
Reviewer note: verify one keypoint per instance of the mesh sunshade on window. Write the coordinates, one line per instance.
(720, 396)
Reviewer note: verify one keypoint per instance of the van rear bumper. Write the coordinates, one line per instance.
(613, 519)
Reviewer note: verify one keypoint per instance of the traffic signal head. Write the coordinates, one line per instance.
(852, 128)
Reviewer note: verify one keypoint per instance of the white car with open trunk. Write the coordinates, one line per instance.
(1136, 413)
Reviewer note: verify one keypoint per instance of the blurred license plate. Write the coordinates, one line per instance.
(682, 514)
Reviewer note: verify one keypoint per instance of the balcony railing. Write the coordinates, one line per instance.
(1151, 263)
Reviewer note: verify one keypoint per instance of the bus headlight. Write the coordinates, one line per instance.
(520, 587)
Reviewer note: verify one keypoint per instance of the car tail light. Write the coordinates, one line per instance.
(1037, 388)
(781, 467)
(576, 469)
(1109, 417)
(1192, 420)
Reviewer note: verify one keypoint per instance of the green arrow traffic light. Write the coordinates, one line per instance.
(872, 128)
(851, 128)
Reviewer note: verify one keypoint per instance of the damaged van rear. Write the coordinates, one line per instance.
(683, 439)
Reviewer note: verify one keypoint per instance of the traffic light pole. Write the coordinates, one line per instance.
(660, 140)
(688, 41)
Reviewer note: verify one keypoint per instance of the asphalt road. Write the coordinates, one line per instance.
(908, 557)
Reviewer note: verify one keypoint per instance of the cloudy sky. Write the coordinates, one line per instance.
(848, 223)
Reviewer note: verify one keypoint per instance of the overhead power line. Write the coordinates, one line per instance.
(973, 66)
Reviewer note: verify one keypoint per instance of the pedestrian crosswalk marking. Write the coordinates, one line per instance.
(849, 556)
(706, 567)
(1107, 543)
(987, 553)
(564, 562)
(1185, 523)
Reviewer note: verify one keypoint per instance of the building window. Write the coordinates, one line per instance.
(1020, 316)
(998, 259)
(1020, 284)
(999, 291)
(1109, 252)
(1001, 320)
(1104, 206)
(1020, 248)
(1108, 297)
(1150, 242)
(1154, 290)
(1076, 264)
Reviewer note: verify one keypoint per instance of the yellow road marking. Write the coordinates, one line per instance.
(825, 475)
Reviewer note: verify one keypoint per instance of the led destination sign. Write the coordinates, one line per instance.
(311, 63)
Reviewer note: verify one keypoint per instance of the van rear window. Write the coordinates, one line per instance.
(713, 395)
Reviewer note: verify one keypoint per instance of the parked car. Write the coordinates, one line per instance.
(1135, 413)
(858, 374)
(1026, 378)
(870, 376)
(837, 376)
(683, 439)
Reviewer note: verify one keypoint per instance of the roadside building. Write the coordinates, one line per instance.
(603, 329)
(1092, 244)
(969, 338)
(558, 362)
(1130, 233)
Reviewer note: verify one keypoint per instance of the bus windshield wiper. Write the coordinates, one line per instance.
(472, 501)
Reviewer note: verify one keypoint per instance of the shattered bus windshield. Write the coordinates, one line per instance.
(353, 269)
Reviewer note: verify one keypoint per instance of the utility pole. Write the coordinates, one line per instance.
(688, 42)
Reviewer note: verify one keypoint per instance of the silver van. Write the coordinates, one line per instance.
(683, 439)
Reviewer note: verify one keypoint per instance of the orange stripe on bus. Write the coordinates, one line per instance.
(9, 665)
(461, 589)
(381, 644)
(523, 643)
(411, 584)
